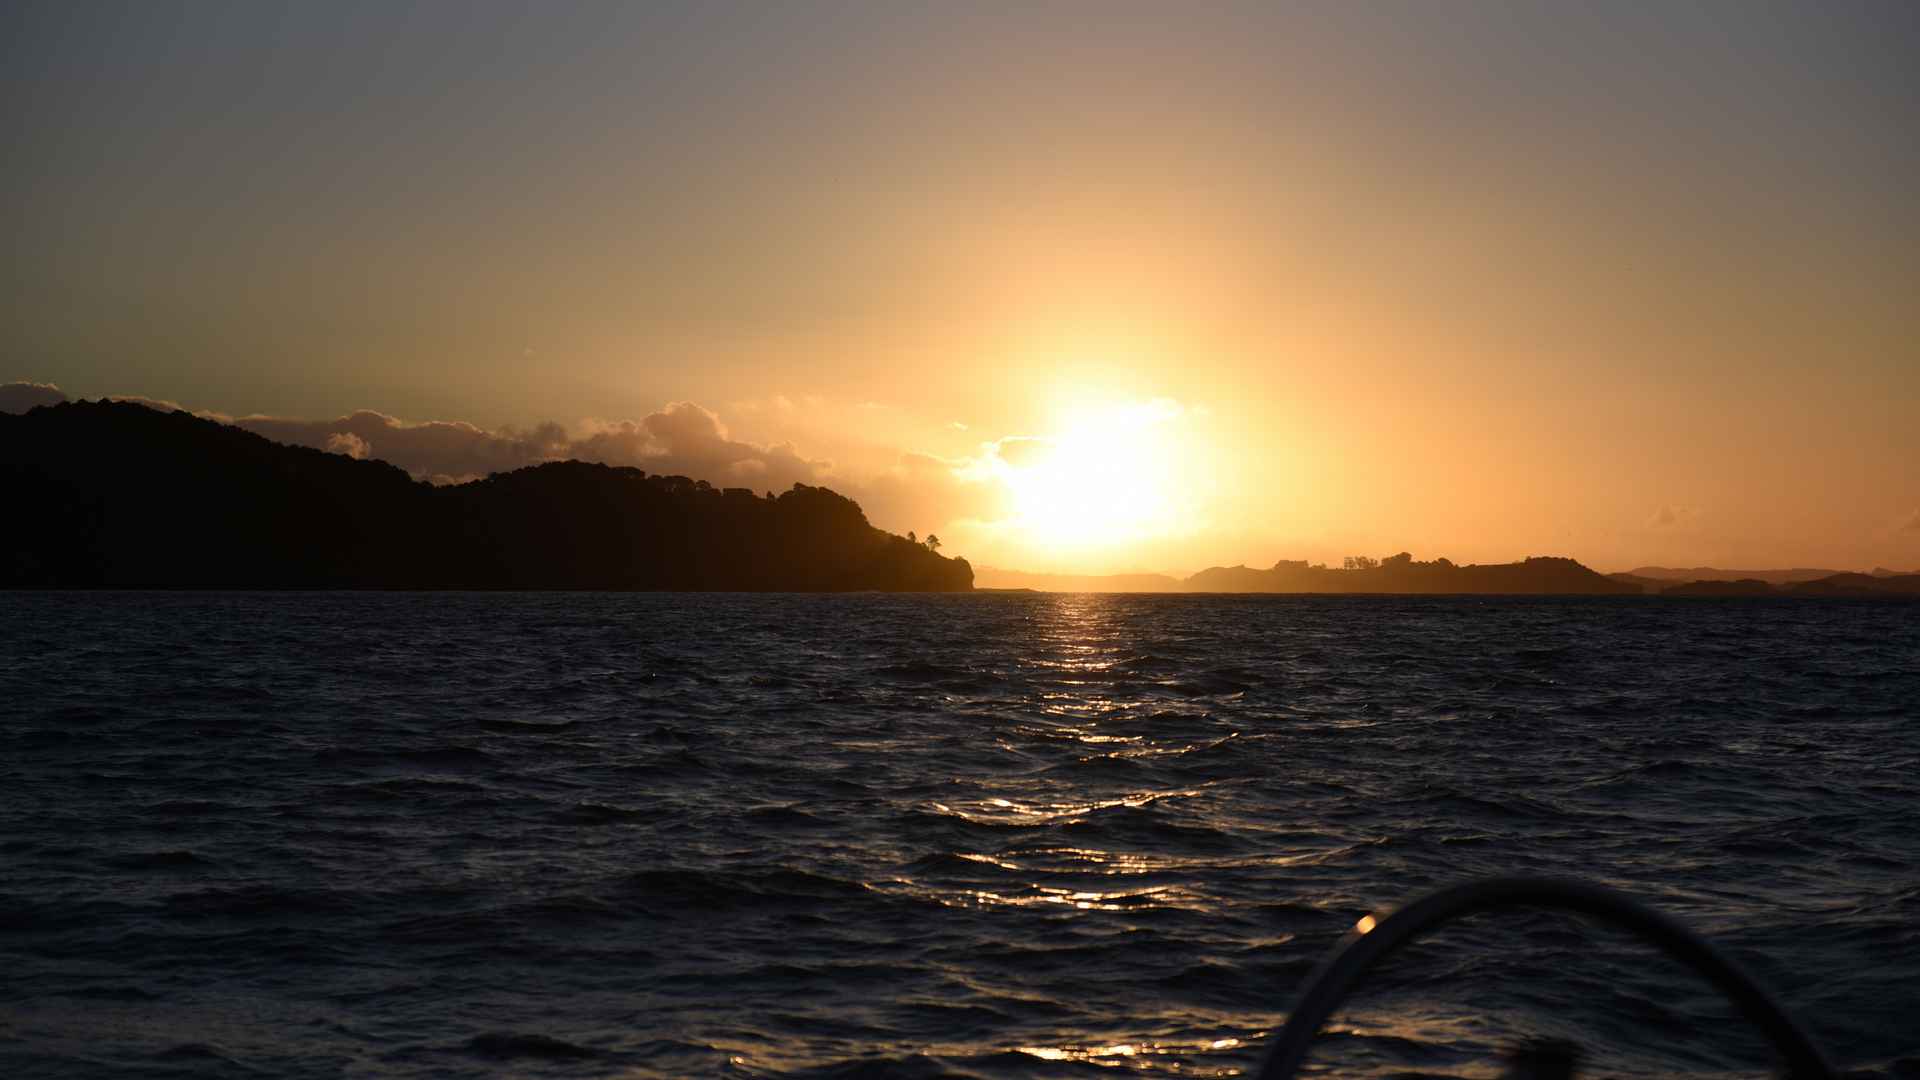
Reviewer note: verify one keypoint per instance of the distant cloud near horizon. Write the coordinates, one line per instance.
(682, 438)
(18, 397)
(1022, 450)
(346, 442)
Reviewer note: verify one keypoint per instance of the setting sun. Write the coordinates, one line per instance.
(1107, 477)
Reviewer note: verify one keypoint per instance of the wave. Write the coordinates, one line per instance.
(995, 836)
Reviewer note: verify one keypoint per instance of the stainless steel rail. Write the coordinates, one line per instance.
(1374, 940)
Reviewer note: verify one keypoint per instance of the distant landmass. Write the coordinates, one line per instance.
(1399, 574)
(1707, 581)
(1887, 586)
(1720, 587)
(1642, 584)
(1708, 573)
(109, 494)
(1538, 576)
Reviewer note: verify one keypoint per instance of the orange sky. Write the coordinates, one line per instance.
(1091, 288)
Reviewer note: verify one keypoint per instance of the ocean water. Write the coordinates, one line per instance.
(992, 835)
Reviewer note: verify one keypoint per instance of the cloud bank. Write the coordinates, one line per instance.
(18, 397)
(682, 438)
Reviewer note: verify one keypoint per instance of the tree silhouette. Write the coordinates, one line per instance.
(933, 542)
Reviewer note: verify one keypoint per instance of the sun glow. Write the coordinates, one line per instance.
(1106, 478)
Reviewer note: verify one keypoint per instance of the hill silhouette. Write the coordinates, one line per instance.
(106, 494)
(1538, 576)
(1715, 587)
(1706, 581)
(1846, 586)
(1670, 575)
(1861, 586)
(1642, 584)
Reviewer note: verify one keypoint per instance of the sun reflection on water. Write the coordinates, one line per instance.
(1169, 1056)
(999, 810)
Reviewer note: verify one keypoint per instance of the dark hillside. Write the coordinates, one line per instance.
(117, 494)
(1863, 586)
(1400, 574)
(113, 493)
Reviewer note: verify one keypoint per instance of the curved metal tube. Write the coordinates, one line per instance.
(1360, 950)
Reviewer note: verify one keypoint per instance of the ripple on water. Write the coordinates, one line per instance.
(994, 835)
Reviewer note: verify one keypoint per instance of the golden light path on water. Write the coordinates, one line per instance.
(1083, 652)
(1086, 651)
(1174, 1056)
(1139, 1056)
(1177, 1056)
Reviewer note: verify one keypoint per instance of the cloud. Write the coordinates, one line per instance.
(683, 438)
(1020, 451)
(164, 405)
(1912, 524)
(18, 397)
(436, 450)
(346, 442)
(689, 439)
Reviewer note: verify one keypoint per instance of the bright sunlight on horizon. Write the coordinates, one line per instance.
(1110, 477)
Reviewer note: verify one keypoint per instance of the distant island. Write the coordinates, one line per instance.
(1538, 576)
(111, 494)
(1874, 586)
(1401, 573)
(1397, 574)
(1674, 575)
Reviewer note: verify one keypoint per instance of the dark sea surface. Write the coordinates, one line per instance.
(995, 835)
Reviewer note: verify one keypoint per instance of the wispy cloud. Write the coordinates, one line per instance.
(1021, 450)
(681, 438)
(18, 397)
(346, 442)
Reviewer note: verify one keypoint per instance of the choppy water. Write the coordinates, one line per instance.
(988, 835)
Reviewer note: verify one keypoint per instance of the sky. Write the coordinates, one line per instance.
(1083, 287)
